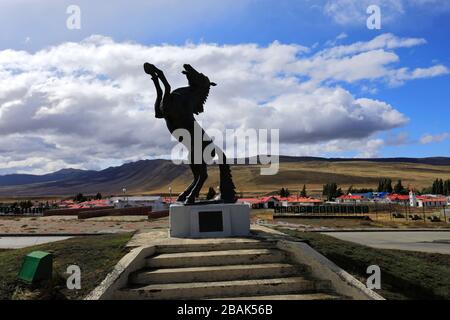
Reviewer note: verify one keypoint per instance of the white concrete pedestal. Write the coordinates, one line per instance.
(209, 221)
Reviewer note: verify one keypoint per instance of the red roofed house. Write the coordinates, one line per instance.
(271, 202)
(426, 201)
(299, 201)
(350, 199)
(398, 198)
(431, 201)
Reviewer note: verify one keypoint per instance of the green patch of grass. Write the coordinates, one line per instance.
(95, 255)
(404, 274)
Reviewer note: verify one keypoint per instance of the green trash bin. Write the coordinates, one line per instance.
(37, 266)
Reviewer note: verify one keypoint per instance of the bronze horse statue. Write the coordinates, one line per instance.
(178, 107)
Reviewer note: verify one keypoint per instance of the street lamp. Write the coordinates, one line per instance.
(124, 190)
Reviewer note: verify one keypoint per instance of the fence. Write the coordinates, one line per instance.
(324, 210)
(136, 211)
(392, 211)
(21, 211)
(71, 212)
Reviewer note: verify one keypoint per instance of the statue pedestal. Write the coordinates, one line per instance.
(209, 221)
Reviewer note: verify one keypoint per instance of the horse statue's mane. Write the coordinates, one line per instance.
(199, 85)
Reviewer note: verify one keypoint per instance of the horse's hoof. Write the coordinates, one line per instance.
(182, 197)
(150, 69)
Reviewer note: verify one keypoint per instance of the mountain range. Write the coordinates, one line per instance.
(155, 176)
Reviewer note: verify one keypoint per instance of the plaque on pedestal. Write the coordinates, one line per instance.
(209, 221)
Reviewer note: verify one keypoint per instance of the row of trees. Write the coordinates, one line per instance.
(439, 186)
(331, 191)
(25, 204)
(384, 185)
(79, 197)
(284, 192)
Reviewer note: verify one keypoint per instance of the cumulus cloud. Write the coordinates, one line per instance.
(89, 104)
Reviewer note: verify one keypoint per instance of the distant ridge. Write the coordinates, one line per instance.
(23, 179)
(147, 176)
(435, 161)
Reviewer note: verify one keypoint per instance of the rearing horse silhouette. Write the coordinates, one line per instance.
(178, 108)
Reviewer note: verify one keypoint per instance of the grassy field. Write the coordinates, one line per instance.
(317, 173)
(96, 256)
(404, 274)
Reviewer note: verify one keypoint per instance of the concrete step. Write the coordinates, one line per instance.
(216, 258)
(224, 289)
(305, 296)
(217, 273)
(209, 245)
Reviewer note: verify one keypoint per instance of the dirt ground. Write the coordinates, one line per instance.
(67, 224)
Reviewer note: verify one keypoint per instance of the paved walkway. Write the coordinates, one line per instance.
(431, 241)
(22, 242)
(71, 225)
(20, 232)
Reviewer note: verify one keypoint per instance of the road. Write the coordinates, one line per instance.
(431, 242)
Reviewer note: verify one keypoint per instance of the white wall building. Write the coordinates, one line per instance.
(156, 202)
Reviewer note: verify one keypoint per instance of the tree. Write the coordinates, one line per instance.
(331, 191)
(399, 188)
(303, 193)
(211, 193)
(79, 198)
(25, 204)
(284, 193)
(438, 187)
(447, 187)
(350, 190)
(385, 185)
(98, 196)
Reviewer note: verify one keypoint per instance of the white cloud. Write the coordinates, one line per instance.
(401, 75)
(429, 138)
(369, 60)
(89, 104)
(353, 12)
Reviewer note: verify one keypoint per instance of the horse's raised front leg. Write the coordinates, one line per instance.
(151, 70)
(167, 88)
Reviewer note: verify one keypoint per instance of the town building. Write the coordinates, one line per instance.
(426, 201)
(156, 202)
(352, 199)
(273, 202)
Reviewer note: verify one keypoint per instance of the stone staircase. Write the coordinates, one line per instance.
(245, 269)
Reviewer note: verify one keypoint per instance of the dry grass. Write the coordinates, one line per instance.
(96, 256)
(314, 174)
(405, 274)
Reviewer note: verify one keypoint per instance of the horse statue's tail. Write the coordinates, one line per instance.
(227, 188)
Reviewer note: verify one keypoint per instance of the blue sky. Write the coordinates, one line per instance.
(315, 25)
